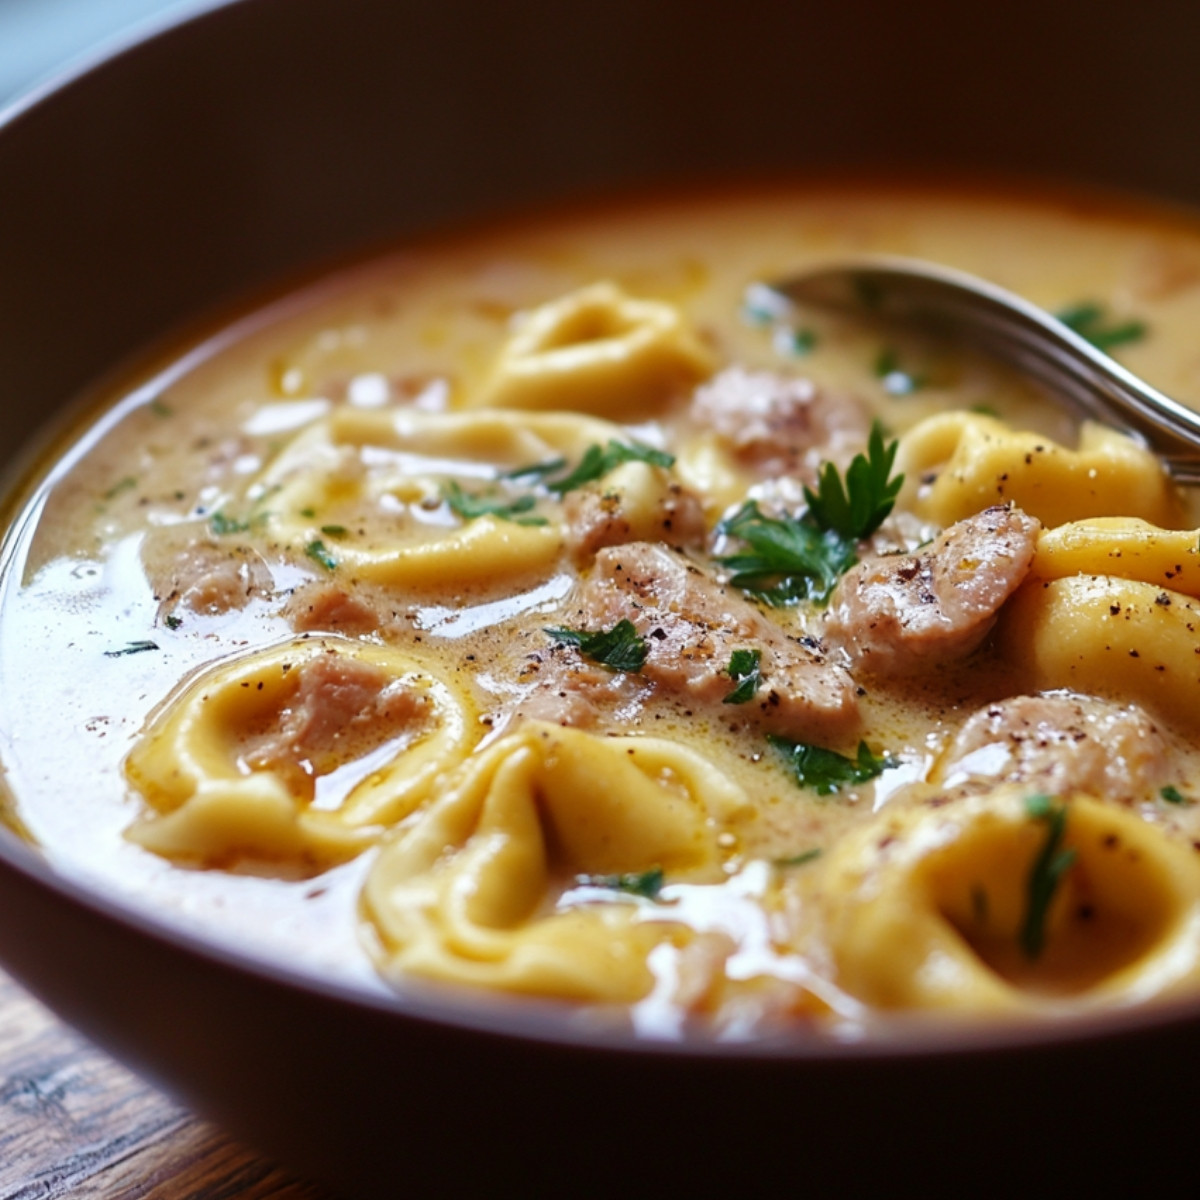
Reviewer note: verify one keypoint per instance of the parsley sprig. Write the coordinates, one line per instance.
(801, 558)
(855, 508)
(472, 505)
(826, 771)
(1091, 321)
(637, 883)
(620, 648)
(1046, 872)
(744, 670)
(598, 461)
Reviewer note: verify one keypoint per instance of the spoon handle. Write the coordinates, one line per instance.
(958, 306)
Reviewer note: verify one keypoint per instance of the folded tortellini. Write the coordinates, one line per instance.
(232, 765)
(1011, 903)
(598, 351)
(470, 889)
(369, 486)
(959, 463)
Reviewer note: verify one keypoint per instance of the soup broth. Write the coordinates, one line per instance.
(546, 609)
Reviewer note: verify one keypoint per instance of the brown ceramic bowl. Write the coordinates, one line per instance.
(261, 137)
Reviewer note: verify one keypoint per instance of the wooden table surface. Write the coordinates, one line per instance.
(75, 1124)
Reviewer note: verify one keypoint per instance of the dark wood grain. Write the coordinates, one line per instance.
(74, 1123)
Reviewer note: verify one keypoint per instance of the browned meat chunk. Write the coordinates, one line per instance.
(210, 578)
(900, 613)
(627, 512)
(326, 607)
(1060, 743)
(692, 626)
(340, 709)
(780, 426)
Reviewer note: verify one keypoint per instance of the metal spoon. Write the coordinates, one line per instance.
(948, 303)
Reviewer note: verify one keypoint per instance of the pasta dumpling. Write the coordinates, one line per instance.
(466, 890)
(940, 907)
(231, 767)
(962, 462)
(598, 351)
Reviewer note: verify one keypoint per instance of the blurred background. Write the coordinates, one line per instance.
(39, 37)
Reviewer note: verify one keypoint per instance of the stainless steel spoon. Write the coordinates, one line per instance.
(946, 303)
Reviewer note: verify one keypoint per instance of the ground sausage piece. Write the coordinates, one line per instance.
(341, 708)
(324, 606)
(638, 507)
(1060, 743)
(900, 613)
(207, 577)
(691, 626)
(778, 425)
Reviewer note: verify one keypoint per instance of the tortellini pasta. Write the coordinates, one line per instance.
(232, 765)
(369, 486)
(958, 463)
(466, 891)
(928, 906)
(598, 351)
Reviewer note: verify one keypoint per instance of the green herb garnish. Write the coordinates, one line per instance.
(1172, 795)
(172, 621)
(744, 670)
(789, 558)
(336, 531)
(221, 525)
(122, 485)
(1091, 322)
(536, 470)
(159, 409)
(471, 506)
(620, 648)
(856, 507)
(319, 553)
(597, 461)
(131, 648)
(826, 771)
(798, 343)
(798, 860)
(1046, 872)
(636, 883)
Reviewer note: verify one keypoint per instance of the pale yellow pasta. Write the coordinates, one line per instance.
(466, 890)
(706, 463)
(928, 906)
(1123, 547)
(1119, 638)
(377, 477)
(598, 351)
(958, 463)
(215, 794)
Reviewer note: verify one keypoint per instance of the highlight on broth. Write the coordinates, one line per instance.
(549, 611)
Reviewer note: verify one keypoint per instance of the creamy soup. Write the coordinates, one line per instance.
(548, 610)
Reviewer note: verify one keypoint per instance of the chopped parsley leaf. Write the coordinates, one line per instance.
(536, 470)
(636, 883)
(796, 343)
(335, 530)
(798, 860)
(172, 621)
(122, 485)
(221, 525)
(619, 648)
(159, 409)
(1091, 322)
(597, 461)
(131, 648)
(471, 506)
(744, 670)
(789, 559)
(826, 771)
(1045, 873)
(1172, 795)
(855, 508)
(319, 553)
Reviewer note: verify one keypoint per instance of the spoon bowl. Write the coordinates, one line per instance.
(954, 305)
